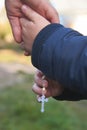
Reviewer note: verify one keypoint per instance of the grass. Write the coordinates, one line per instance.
(19, 110)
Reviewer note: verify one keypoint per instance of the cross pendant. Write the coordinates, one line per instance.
(42, 99)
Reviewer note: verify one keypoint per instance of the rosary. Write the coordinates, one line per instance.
(42, 99)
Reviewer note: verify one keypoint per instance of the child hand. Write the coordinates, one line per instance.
(52, 87)
(31, 25)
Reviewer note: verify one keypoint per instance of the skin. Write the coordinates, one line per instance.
(44, 8)
(13, 9)
(31, 26)
(52, 87)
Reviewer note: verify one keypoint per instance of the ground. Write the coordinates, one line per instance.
(9, 73)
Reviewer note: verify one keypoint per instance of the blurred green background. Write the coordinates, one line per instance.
(19, 109)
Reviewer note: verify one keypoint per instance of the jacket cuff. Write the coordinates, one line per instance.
(69, 95)
(42, 36)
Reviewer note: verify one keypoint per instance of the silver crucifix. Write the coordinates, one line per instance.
(42, 99)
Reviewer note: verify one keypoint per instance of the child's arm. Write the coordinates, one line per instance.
(59, 52)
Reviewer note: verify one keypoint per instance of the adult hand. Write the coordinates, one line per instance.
(53, 88)
(13, 9)
(44, 8)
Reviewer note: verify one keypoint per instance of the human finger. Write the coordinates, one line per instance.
(52, 14)
(16, 29)
(30, 13)
(26, 53)
(38, 75)
(40, 79)
(37, 89)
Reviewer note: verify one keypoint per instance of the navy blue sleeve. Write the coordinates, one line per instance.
(69, 95)
(61, 54)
